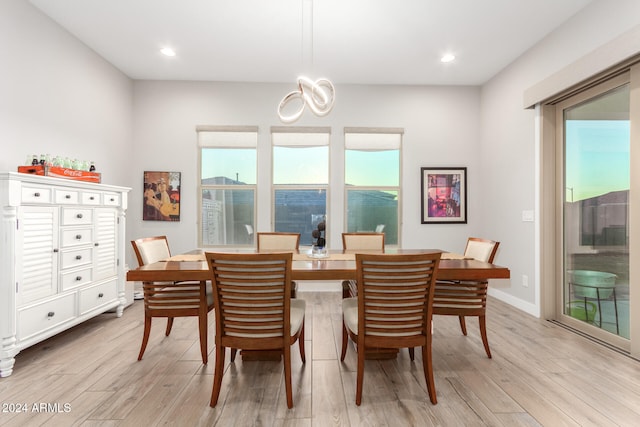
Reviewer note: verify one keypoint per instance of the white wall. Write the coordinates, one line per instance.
(441, 129)
(508, 132)
(59, 97)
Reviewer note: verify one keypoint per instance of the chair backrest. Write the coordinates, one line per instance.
(151, 249)
(395, 298)
(481, 249)
(252, 294)
(363, 241)
(272, 241)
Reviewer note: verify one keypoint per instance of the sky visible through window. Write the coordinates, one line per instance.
(597, 158)
(233, 163)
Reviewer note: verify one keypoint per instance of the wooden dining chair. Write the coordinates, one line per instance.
(393, 309)
(278, 241)
(467, 298)
(275, 242)
(171, 299)
(359, 242)
(254, 309)
(363, 241)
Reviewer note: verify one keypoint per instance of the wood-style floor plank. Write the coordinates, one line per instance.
(540, 375)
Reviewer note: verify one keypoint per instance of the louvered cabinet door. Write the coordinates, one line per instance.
(36, 253)
(106, 243)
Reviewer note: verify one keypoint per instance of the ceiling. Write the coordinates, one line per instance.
(347, 41)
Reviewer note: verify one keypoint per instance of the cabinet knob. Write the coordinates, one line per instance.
(112, 199)
(78, 236)
(67, 196)
(51, 314)
(78, 257)
(79, 215)
(78, 278)
(100, 295)
(96, 244)
(55, 250)
(36, 194)
(92, 198)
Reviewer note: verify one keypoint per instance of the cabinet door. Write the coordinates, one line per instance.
(106, 243)
(36, 253)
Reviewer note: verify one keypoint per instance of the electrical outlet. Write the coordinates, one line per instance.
(525, 281)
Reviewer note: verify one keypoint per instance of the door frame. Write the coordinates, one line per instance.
(551, 203)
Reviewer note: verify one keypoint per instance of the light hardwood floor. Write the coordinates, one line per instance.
(540, 374)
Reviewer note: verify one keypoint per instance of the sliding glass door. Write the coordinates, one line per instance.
(595, 210)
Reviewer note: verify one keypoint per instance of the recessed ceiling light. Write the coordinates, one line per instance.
(448, 57)
(167, 51)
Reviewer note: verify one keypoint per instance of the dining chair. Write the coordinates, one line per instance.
(171, 299)
(359, 242)
(363, 241)
(467, 298)
(254, 309)
(278, 241)
(393, 308)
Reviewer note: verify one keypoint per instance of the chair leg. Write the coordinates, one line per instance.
(360, 374)
(202, 326)
(287, 375)
(463, 325)
(427, 366)
(217, 375)
(483, 334)
(301, 344)
(345, 341)
(169, 325)
(233, 354)
(145, 336)
(412, 354)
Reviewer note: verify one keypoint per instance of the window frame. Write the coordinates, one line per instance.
(239, 143)
(374, 146)
(318, 136)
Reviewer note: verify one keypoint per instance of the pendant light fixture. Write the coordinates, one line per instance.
(318, 95)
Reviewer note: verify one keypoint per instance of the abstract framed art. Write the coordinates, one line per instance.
(444, 195)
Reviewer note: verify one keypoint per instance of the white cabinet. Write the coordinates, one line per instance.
(61, 257)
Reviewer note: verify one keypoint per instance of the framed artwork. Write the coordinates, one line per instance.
(444, 195)
(161, 199)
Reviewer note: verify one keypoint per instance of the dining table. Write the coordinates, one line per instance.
(330, 266)
(335, 265)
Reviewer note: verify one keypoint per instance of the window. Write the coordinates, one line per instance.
(300, 179)
(372, 181)
(228, 166)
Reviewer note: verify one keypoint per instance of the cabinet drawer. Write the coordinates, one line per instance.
(96, 296)
(36, 194)
(90, 198)
(76, 258)
(75, 278)
(49, 314)
(76, 236)
(76, 216)
(67, 197)
(111, 199)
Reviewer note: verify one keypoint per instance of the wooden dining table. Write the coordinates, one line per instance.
(338, 265)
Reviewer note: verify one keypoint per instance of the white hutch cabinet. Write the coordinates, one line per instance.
(61, 257)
